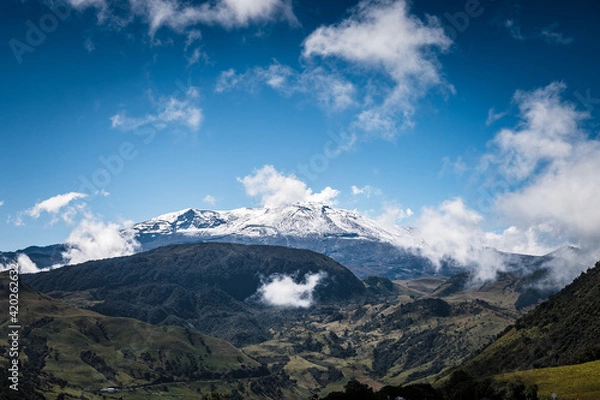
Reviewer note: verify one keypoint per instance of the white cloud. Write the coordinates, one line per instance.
(196, 56)
(552, 165)
(93, 239)
(392, 215)
(89, 45)
(282, 291)
(383, 36)
(228, 80)
(547, 34)
(210, 200)
(388, 54)
(453, 231)
(276, 189)
(23, 264)
(457, 167)
(546, 168)
(548, 130)
(169, 111)
(366, 191)
(550, 35)
(493, 116)
(26, 266)
(179, 15)
(565, 198)
(193, 36)
(55, 204)
(1, 203)
(331, 90)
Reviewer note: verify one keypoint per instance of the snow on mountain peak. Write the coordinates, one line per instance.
(295, 220)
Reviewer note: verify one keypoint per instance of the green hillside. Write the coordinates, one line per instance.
(569, 382)
(78, 352)
(564, 330)
(211, 287)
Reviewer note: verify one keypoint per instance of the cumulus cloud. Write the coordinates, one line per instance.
(378, 62)
(179, 15)
(452, 231)
(1, 203)
(283, 291)
(383, 36)
(196, 56)
(54, 204)
(169, 111)
(548, 130)
(546, 171)
(550, 164)
(276, 189)
(93, 239)
(59, 207)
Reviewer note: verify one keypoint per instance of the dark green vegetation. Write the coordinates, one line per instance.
(379, 332)
(209, 286)
(571, 382)
(403, 332)
(460, 387)
(66, 351)
(563, 330)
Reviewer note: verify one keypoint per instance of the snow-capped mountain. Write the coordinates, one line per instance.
(295, 220)
(350, 238)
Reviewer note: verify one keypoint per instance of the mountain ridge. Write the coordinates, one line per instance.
(212, 286)
(355, 241)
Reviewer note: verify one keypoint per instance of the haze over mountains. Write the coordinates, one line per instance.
(365, 246)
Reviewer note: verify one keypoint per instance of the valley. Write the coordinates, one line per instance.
(377, 331)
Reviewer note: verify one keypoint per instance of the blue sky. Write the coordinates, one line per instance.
(474, 118)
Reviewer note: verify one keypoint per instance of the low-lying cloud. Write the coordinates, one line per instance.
(93, 239)
(543, 184)
(23, 264)
(283, 291)
(90, 237)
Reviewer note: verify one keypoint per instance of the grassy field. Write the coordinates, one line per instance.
(570, 382)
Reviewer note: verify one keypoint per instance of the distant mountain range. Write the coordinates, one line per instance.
(355, 241)
(254, 296)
